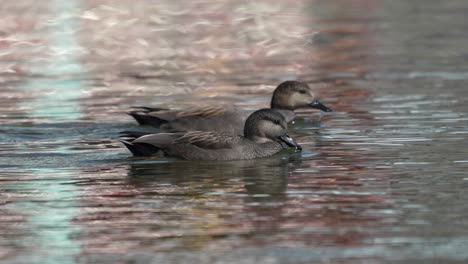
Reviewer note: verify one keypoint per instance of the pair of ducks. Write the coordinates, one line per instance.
(214, 133)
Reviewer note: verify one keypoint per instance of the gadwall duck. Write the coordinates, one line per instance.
(264, 135)
(287, 97)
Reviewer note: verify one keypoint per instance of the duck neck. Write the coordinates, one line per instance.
(279, 104)
(288, 115)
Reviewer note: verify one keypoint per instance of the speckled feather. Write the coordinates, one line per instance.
(287, 96)
(264, 125)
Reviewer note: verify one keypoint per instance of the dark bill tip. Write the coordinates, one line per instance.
(290, 141)
(318, 105)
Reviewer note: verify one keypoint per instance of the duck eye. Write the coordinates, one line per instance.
(276, 121)
(302, 92)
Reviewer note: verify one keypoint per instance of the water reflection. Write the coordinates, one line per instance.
(44, 207)
(378, 180)
(280, 202)
(261, 176)
(50, 203)
(179, 204)
(239, 198)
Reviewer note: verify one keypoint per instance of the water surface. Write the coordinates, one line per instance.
(380, 180)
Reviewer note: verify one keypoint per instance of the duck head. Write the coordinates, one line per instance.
(268, 125)
(292, 95)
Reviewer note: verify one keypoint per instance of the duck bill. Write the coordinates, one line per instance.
(318, 105)
(290, 141)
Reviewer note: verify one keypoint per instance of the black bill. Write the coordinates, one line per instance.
(318, 105)
(290, 141)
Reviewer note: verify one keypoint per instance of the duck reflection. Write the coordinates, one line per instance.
(237, 198)
(264, 177)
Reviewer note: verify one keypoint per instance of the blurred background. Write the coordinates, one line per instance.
(380, 180)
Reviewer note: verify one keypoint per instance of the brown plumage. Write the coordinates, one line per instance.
(287, 97)
(264, 135)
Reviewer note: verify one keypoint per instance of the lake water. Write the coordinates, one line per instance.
(380, 180)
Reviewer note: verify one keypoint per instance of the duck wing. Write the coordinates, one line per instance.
(151, 144)
(159, 116)
(210, 111)
(208, 140)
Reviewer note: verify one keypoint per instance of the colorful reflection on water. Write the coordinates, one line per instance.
(380, 180)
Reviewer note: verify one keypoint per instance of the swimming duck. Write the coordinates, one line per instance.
(264, 135)
(287, 97)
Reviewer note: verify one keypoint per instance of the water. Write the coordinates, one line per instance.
(381, 180)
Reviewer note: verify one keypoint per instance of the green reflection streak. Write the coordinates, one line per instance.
(51, 218)
(56, 94)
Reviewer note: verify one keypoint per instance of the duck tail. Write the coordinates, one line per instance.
(141, 149)
(143, 118)
(149, 109)
(133, 134)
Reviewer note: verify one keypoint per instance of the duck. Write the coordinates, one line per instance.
(287, 97)
(265, 134)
